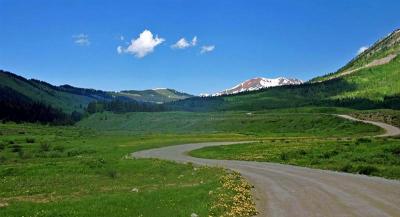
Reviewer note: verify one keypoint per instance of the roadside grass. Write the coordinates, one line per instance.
(66, 171)
(388, 116)
(261, 123)
(368, 156)
(375, 156)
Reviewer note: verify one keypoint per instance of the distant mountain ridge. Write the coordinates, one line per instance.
(257, 84)
(157, 95)
(69, 98)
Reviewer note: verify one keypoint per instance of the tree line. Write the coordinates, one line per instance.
(122, 106)
(18, 108)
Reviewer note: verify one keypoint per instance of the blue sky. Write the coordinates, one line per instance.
(77, 42)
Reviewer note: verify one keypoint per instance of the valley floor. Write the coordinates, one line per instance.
(86, 170)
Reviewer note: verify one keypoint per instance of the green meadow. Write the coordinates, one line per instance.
(368, 156)
(66, 171)
(86, 170)
(275, 123)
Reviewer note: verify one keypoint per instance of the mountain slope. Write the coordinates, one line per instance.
(380, 53)
(66, 98)
(259, 83)
(69, 98)
(369, 86)
(158, 95)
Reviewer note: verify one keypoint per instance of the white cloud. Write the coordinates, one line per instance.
(120, 50)
(183, 43)
(362, 49)
(194, 41)
(207, 48)
(143, 45)
(81, 39)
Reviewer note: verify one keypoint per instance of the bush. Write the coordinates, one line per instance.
(346, 168)
(59, 148)
(284, 156)
(112, 173)
(2, 159)
(78, 151)
(44, 147)
(21, 153)
(394, 150)
(30, 140)
(94, 163)
(8, 172)
(367, 170)
(329, 154)
(54, 154)
(16, 148)
(363, 140)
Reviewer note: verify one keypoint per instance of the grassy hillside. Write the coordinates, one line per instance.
(267, 123)
(160, 95)
(69, 98)
(46, 93)
(378, 157)
(371, 87)
(382, 51)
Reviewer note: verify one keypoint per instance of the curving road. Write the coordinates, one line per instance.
(284, 190)
(389, 129)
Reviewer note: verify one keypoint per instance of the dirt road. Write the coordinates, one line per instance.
(284, 190)
(390, 130)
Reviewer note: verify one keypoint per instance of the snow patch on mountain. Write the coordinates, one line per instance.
(257, 84)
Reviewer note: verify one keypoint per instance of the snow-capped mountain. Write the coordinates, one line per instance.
(258, 83)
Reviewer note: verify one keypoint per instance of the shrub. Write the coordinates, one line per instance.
(329, 154)
(78, 151)
(21, 153)
(94, 163)
(59, 148)
(2, 159)
(301, 152)
(44, 147)
(346, 168)
(54, 154)
(30, 140)
(16, 148)
(284, 156)
(2, 146)
(363, 140)
(394, 150)
(367, 169)
(112, 173)
(8, 172)
(11, 142)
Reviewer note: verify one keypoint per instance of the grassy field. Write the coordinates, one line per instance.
(377, 156)
(65, 171)
(86, 171)
(277, 123)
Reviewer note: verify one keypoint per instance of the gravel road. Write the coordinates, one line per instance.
(284, 190)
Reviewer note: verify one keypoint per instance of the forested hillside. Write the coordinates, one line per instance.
(159, 95)
(66, 98)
